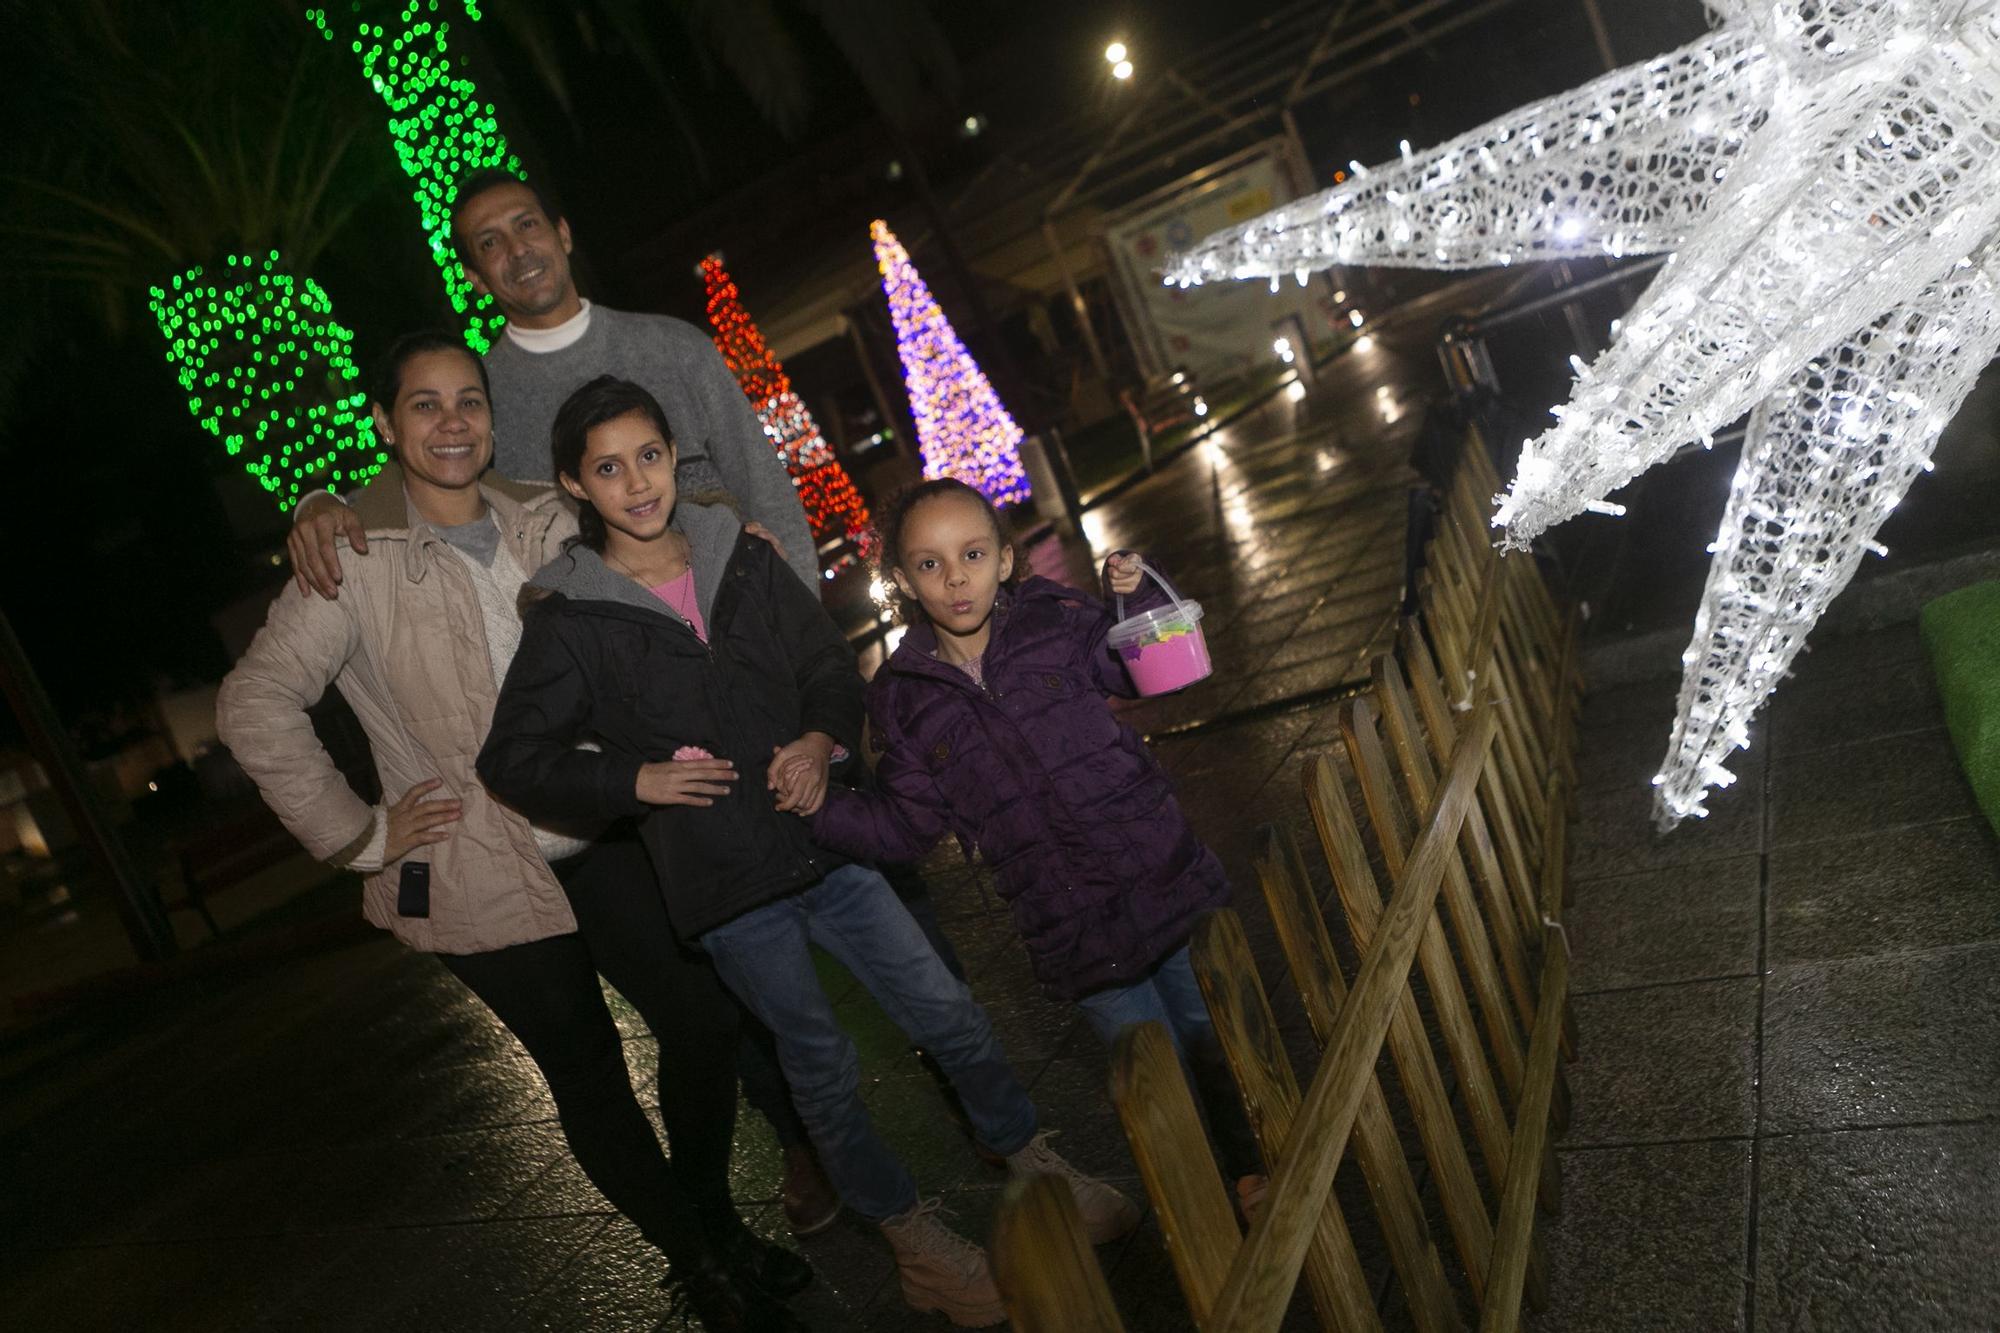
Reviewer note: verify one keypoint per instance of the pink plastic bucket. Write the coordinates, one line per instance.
(1163, 649)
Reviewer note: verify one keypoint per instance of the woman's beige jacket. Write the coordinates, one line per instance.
(406, 645)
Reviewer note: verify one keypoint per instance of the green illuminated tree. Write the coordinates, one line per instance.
(146, 140)
(172, 140)
(270, 373)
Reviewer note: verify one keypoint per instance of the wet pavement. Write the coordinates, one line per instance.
(1787, 1095)
(1788, 1081)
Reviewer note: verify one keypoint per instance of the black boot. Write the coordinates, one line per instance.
(751, 1259)
(724, 1304)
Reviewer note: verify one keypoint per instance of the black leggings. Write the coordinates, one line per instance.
(547, 994)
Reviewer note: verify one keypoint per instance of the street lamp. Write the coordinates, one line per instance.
(1116, 56)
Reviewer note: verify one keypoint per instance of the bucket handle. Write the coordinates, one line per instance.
(1146, 570)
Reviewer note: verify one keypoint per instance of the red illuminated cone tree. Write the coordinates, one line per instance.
(833, 506)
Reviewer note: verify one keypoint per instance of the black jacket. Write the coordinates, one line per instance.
(604, 660)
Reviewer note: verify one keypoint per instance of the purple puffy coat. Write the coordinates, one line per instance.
(1078, 821)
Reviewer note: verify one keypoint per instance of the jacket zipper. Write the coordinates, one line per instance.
(805, 863)
(994, 696)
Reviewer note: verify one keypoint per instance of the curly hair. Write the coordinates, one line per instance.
(894, 517)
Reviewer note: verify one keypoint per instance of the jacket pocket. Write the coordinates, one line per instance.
(626, 653)
(1052, 684)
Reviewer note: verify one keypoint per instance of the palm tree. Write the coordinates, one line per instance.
(165, 136)
(150, 139)
(168, 139)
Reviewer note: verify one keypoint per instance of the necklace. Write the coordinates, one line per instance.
(673, 587)
(677, 592)
(641, 579)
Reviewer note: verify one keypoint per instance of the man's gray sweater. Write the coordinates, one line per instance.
(720, 443)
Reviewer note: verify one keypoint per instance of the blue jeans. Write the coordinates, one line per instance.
(855, 916)
(757, 1053)
(1172, 998)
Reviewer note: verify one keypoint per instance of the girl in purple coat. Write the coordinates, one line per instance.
(991, 721)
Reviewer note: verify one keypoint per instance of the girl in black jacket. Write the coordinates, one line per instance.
(692, 655)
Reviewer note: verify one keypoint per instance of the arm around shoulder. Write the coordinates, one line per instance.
(318, 523)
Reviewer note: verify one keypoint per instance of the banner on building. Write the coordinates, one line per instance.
(1220, 329)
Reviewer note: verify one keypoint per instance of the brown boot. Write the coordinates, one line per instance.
(1250, 1194)
(810, 1203)
(942, 1270)
(1106, 1213)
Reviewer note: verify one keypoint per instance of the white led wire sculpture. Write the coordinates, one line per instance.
(1828, 176)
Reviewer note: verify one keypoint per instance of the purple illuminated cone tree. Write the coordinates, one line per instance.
(963, 430)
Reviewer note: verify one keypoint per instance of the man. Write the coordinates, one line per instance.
(516, 249)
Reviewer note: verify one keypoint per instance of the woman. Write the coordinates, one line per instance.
(418, 641)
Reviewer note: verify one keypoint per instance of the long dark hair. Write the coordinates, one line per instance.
(603, 399)
(895, 516)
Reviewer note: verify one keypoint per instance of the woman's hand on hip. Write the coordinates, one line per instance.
(415, 822)
(684, 781)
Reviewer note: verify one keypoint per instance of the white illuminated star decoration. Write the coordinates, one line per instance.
(1827, 174)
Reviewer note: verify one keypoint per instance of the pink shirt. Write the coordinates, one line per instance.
(679, 594)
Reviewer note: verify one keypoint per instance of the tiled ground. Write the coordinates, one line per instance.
(1788, 1084)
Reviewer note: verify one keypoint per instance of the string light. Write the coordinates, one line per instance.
(962, 429)
(269, 373)
(1829, 178)
(832, 504)
(1826, 459)
(442, 132)
(1625, 164)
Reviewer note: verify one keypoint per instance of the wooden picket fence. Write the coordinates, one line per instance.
(1460, 756)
